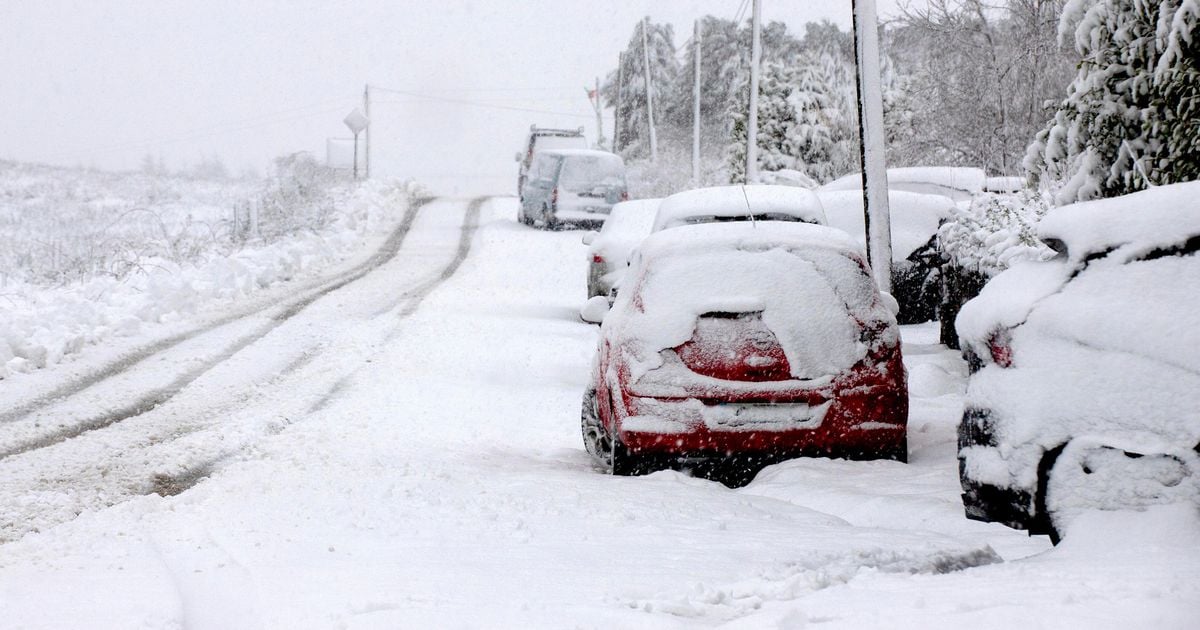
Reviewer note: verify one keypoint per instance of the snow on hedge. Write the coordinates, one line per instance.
(41, 324)
(995, 231)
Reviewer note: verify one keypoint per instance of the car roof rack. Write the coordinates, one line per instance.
(550, 131)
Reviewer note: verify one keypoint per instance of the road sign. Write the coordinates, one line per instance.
(356, 121)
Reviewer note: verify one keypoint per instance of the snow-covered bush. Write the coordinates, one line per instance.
(995, 231)
(1130, 117)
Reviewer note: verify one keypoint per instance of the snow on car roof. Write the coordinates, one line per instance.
(915, 217)
(745, 235)
(730, 202)
(962, 178)
(1163, 216)
(580, 153)
(627, 224)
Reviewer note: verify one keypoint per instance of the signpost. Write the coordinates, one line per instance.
(356, 122)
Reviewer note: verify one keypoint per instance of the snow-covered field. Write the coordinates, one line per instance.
(92, 258)
(403, 450)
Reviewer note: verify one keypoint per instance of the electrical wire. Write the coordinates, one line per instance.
(741, 12)
(459, 101)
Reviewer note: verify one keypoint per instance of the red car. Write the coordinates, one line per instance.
(750, 343)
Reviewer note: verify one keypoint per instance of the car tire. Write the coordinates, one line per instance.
(548, 219)
(608, 454)
(1083, 475)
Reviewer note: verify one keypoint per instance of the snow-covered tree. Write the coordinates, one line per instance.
(633, 137)
(981, 73)
(1131, 118)
(794, 130)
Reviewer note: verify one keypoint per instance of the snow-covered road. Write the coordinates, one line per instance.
(405, 452)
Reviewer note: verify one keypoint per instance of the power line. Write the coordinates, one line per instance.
(459, 101)
(741, 12)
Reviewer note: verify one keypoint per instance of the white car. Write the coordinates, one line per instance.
(609, 249)
(916, 260)
(959, 183)
(1085, 385)
(739, 203)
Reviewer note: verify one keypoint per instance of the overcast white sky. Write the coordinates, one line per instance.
(105, 83)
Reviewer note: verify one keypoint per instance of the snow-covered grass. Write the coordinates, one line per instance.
(93, 255)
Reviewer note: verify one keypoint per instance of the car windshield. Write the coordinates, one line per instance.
(584, 172)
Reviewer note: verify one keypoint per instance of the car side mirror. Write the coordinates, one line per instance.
(517, 156)
(890, 302)
(589, 237)
(595, 309)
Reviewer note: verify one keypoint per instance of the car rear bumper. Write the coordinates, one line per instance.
(862, 424)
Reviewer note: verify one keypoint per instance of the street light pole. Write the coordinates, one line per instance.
(696, 106)
(752, 121)
(367, 137)
(871, 136)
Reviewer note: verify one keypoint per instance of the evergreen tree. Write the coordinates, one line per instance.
(1132, 114)
(633, 137)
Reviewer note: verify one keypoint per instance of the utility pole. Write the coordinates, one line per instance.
(599, 117)
(616, 143)
(871, 136)
(696, 106)
(649, 91)
(752, 122)
(367, 137)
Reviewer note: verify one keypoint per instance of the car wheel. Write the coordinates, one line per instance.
(609, 455)
(548, 218)
(1087, 475)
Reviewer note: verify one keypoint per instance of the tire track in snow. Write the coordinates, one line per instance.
(153, 398)
(410, 301)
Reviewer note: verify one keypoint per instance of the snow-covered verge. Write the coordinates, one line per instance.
(445, 485)
(150, 251)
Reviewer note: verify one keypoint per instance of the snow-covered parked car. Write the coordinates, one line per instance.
(544, 139)
(745, 345)
(572, 186)
(609, 249)
(753, 202)
(958, 183)
(916, 259)
(1085, 385)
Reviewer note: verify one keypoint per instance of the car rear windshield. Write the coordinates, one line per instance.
(809, 298)
(584, 172)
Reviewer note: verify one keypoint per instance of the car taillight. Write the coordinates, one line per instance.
(554, 198)
(735, 347)
(624, 195)
(598, 259)
(1000, 347)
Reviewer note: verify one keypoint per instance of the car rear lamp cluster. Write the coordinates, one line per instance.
(1000, 347)
(554, 199)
